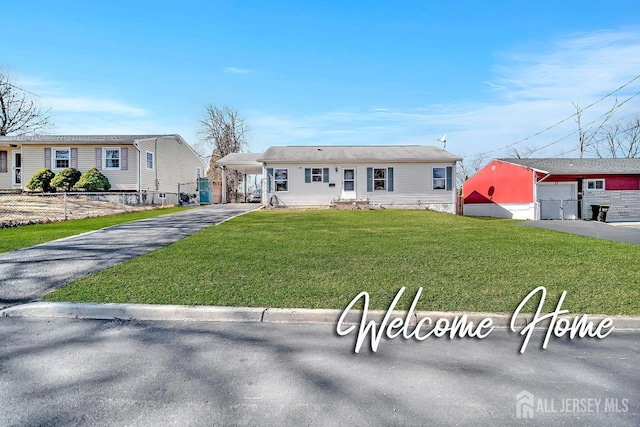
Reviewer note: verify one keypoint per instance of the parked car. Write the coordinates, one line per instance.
(255, 197)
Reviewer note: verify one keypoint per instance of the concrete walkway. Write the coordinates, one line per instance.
(30, 273)
(595, 229)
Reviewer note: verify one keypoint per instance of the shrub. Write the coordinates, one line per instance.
(41, 180)
(66, 178)
(93, 180)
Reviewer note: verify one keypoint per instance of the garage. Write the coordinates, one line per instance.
(558, 200)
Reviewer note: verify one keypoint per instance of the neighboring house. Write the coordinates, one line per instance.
(130, 162)
(554, 189)
(403, 176)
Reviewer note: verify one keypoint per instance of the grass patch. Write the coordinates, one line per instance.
(29, 235)
(324, 258)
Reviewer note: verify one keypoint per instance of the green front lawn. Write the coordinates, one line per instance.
(15, 238)
(324, 258)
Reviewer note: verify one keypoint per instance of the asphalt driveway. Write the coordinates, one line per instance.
(595, 229)
(30, 273)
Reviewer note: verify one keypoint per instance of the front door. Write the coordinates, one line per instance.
(348, 184)
(17, 169)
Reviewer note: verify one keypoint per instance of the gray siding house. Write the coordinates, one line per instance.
(130, 162)
(398, 176)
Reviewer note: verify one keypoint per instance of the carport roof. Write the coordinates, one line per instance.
(247, 163)
(581, 166)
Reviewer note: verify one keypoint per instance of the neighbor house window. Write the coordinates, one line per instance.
(198, 172)
(443, 178)
(111, 158)
(595, 184)
(281, 178)
(61, 157)
(379, 179)
(149, 160)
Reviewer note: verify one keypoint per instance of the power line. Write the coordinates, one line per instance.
(565, 119)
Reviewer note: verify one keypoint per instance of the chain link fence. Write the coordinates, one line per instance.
(35, 208)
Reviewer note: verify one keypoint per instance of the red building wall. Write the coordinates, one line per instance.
(500, 182)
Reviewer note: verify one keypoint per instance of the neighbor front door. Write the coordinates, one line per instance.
(17, 169)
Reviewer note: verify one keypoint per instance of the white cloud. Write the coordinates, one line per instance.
(234, 70)
(90, 105)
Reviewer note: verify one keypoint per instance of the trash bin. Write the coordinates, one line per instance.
(595, 210)
(603, 212)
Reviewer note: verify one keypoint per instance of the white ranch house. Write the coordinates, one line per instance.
(393, 176)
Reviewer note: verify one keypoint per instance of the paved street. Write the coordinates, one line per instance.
(70, 372)
(30, 273)
(595, 229)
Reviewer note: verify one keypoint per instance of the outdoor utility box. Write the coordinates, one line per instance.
(595, 211)
(205, 190)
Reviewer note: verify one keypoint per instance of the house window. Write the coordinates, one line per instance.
(443, 178)
(439, 178)
(281, 178)
(379, 179)
(111, 158)
(149, 160)
(198, 172)
(61, 157)
(316, 175)
(595, 184)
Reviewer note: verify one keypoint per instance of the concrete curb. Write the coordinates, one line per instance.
(153, 312)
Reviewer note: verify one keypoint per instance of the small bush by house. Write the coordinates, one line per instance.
(93, 180)
(66, 178)
(41, 180)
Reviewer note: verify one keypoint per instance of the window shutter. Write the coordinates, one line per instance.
(325, 174)
(307, 175)
(3, 161)
(74, 158)
(99, 158)
(390, 179)
(449, 185)
(47, 158)
(369, 179)
(269, 179)
(124, 158)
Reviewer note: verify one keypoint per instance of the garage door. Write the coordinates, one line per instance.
(558, 200)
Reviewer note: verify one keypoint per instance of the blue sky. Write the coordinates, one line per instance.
(488, 74)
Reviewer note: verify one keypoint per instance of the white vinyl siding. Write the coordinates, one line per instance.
(412, 185)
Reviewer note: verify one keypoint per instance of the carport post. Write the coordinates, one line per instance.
(224, 185)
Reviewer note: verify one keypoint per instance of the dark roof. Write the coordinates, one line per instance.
(364, 153)
(581, 166)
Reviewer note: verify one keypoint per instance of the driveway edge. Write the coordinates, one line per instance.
(156, 312)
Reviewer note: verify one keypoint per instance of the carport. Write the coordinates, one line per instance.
(243, 163)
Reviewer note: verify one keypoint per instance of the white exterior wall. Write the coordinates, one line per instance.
(507, 210)
(413, 186)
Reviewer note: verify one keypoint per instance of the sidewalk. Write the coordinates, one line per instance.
(30, 273)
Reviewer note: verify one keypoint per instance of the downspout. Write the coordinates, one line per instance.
(135, 144)
(155, 159)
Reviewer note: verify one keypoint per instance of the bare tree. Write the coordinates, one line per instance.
(521, 153)
(620, 139)
(587, 137)
(224, 132)
(468, 167)
(19, 114)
